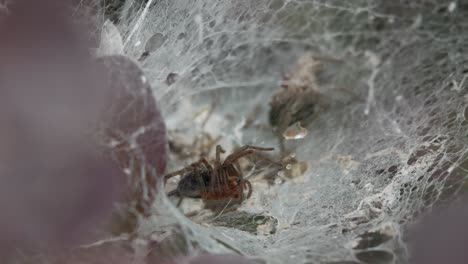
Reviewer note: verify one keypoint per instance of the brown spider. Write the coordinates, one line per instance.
(223, 180)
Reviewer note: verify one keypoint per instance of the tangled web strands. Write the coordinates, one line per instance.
(376, 163)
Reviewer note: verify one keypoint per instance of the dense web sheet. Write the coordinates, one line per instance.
(377, 159)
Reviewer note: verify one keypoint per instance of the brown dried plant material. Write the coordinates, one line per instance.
(190, 146)
(295, 131)
(347, 163)
(202, 145)
(294, 167)
(298, 99)
(252, 116)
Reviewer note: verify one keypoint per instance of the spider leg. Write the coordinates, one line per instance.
(225, 178)
(239, 169)
(173, 192)
(187, 169)
(176, 192)
(221, 181)
(240, 191)
(217, 171)
(243, 151)
(180, 201)
(214, 142)
(240, 175)
(179, 172)
(265, 158)
(207, 165)
(219, 150)
(213, 175)
(232, 159)
(248, 185)
(200, 179)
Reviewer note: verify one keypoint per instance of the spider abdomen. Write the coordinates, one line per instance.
(191, 186)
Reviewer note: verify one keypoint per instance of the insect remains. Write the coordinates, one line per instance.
(298, 99)
(223, 180)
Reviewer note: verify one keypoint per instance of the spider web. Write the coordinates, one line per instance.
(375, 162)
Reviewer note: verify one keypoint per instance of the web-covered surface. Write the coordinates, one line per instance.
(376, 161)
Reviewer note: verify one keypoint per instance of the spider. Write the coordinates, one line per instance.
(221, 181)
